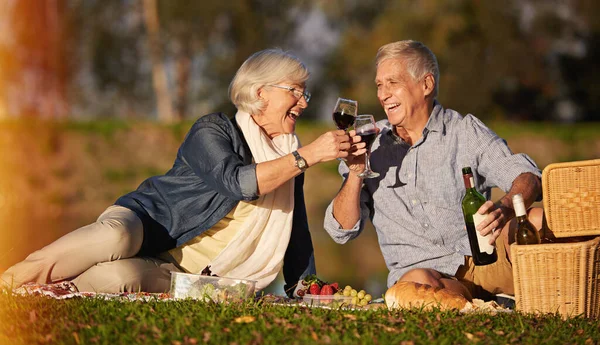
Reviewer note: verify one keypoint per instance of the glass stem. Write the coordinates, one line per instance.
(367, 164)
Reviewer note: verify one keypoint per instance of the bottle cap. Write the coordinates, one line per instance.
(519, 205)
(517, 198)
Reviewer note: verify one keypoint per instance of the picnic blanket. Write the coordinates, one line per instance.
(65, 290)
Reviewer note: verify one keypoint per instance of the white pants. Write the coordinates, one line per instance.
(99, 257)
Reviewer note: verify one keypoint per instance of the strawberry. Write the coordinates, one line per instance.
(314, 289)
(335, 287)
(327, 290)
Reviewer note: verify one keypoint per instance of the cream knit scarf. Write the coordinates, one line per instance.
(256, 252)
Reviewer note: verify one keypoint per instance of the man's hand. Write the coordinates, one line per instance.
(356, 154)
(497, 217)
(501, 212)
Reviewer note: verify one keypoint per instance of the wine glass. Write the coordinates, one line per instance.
(365, 127)
(344, 113)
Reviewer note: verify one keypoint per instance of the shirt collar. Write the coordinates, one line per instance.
(435, 123)
(436, 119)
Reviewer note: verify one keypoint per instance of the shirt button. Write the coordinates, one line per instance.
(409, 175)
(426, 225)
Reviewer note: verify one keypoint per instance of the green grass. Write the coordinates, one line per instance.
(39, 320)
(564, 132)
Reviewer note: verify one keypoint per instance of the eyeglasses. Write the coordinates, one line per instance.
(295, 91)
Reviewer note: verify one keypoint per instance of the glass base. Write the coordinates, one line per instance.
(368, 174)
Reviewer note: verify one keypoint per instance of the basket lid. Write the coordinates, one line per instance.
(572, 198)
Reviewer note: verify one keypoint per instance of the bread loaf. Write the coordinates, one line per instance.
(415, 295)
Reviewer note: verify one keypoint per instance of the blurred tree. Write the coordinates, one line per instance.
(159, 74)
(492, 63)
(580, 62)
(114, 75)
(189, 28)
(471, 39)
(525, 60)
(245, 27)
(205, 42)
(34, 69)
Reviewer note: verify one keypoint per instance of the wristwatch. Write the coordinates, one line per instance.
(300, 162)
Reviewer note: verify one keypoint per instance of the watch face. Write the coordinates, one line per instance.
(301, 163)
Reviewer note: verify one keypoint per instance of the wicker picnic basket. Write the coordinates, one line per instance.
(564, 277)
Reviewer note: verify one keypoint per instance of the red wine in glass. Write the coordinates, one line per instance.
(342, 120)
(365, 127)
(368, 138)
(344, 113)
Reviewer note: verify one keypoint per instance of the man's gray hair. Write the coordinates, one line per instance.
(263, 68)
(419, 59)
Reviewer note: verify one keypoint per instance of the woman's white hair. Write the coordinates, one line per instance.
(419, 59)
(263, 68)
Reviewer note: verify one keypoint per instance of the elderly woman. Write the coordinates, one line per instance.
(232, 204)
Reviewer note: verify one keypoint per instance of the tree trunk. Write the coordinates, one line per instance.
(34, 73)
(56, 95)
(159, 73)
(182, 78)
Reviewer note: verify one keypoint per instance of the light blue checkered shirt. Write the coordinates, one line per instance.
(415, 205)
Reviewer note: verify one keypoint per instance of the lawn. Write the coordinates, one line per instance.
(65, 174)
(42, 320)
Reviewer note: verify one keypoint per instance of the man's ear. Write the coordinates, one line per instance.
(428, 84)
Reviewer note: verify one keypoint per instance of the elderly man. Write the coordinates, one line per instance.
(415, 203)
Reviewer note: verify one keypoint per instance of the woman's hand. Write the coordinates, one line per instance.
(328, 146)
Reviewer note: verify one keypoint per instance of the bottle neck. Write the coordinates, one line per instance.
(469, 181)
(521, 219)
(520, 210)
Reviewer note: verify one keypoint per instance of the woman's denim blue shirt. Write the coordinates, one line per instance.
(213, 171)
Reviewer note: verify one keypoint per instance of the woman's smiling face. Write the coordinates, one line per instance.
(283, 107)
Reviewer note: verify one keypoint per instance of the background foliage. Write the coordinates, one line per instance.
(517, 60)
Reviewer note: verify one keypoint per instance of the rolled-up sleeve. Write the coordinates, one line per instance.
(209, 152)
(335, 230)
(333, 227)
(495, 161)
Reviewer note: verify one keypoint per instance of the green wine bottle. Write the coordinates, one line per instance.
(526, 232)
(483, 253)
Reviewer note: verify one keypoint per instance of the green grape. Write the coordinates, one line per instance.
(353, 293)
(363, 302)
(354, 300)
(346, 293)
(360, 294)
(368, 297)
(348, 287)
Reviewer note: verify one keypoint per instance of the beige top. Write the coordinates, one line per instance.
(198, 252)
